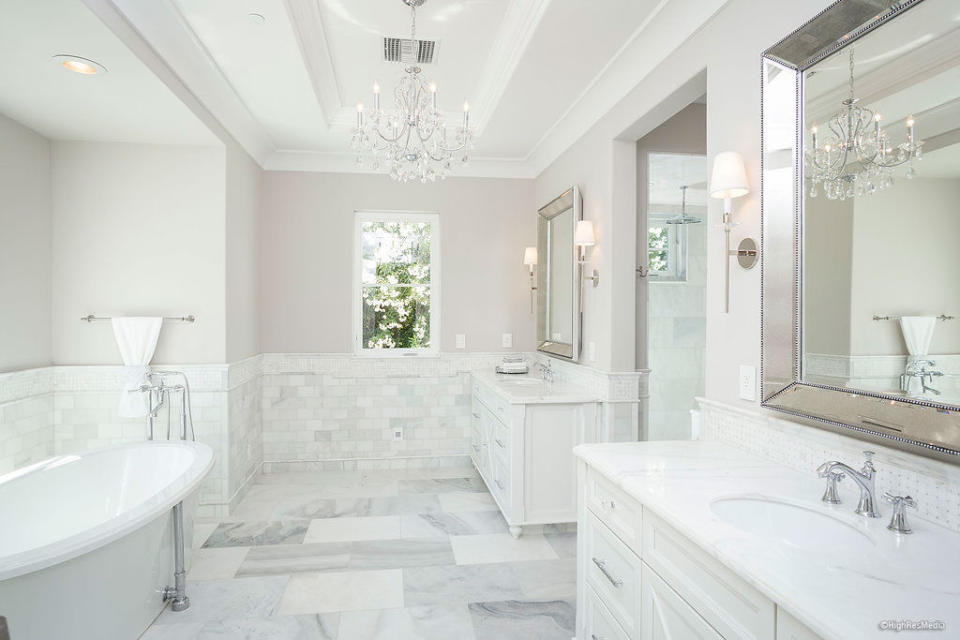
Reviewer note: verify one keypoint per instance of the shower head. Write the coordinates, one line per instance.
(683, 218)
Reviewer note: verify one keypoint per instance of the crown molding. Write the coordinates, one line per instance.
(516, 31)
(307, 23)
(160, 36)
(345, 162)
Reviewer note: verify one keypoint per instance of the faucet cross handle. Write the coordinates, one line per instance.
(868, 463)
(898, 521)
(830, 494)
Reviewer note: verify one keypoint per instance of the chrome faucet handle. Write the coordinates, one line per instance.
(898, 521)
(868, 463)
(830, 494)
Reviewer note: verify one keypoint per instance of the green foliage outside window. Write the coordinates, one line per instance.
(396, 284)
(658, 243)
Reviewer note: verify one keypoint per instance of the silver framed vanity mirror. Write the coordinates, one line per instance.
(860, 193)
(558, 278)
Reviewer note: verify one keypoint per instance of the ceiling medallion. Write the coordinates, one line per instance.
(413, 140)
(857, 158)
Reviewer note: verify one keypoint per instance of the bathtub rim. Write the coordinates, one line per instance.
(32, 560)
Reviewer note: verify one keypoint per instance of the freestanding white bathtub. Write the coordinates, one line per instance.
(86, 540)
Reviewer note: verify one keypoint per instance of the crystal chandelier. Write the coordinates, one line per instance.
(413, 140)
(857, 157)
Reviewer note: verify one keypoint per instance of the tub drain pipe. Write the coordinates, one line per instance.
(177, 594)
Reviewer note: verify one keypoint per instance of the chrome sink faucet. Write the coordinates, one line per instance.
(546, 372)
(919, 369)
(865, 478)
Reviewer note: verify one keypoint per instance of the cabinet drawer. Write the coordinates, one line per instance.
(497, 404)
(614, 573)
(616, 509)
(726, 601)
(789, 628)
(599, 623)
(500, 441)
(501, 481)
(665, 614)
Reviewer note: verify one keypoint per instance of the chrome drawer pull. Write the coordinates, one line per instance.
(603, 569)
(609, 505)
(499, 484)
(477, 416)
(594, 636)
(499, 444)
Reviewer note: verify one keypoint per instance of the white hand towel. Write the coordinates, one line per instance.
(918, 334)
(137, 340)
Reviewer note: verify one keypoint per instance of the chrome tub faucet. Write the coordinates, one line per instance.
(865, 478)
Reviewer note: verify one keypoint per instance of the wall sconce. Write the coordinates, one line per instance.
(584, 237)
(729, 181)
(530, 260)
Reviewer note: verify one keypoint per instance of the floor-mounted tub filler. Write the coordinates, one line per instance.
(87, 540)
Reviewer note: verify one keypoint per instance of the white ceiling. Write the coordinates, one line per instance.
(667, 172)
(128, 103)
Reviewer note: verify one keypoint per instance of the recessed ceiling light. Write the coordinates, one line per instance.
(257, 18)
(83, 66)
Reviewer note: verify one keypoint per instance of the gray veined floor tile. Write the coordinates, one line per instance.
(240, 598)
(523, 619)
(500, 547)
(449, 584)
(304, 627)
(565, 544)
(441, 485)
(435, 525)
(392, 506)
(248, 534)
(275, 505)
(287, 559)
(396, 554)
(440, 622)
(216, 563)
(547, 579)
(460, 501)
(343, 591)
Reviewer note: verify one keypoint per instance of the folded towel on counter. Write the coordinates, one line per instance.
(137, 340)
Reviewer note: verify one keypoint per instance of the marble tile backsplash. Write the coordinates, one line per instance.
(934, 484)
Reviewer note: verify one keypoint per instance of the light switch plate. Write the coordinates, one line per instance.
(508, 341)
(461, 341)
(748, 382)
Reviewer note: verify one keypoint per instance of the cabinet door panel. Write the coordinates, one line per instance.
(665, 616)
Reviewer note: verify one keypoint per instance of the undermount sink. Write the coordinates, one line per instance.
(789, 523)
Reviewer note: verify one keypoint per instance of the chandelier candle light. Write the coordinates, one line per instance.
(856, 158)
(414, 140)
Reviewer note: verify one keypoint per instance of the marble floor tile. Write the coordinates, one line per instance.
(462, 501)
(202, 531)
(440, 622)
(448, 584)
(395, 506)
(500, 547)
(287, 559)
(346, 529)
(240, 598)
(247, 534)
(523, 620)
(441, 485)
(216, 563)
(305, 504)
(395, 554)
(435, 525)
(547, 579)
(306, 627)
(343, 591)
(565, 544)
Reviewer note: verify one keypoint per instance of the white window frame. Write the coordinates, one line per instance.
(676, 249)
(433, 219)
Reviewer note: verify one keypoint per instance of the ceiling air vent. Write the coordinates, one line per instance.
(409, 51)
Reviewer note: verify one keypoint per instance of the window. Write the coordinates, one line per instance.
(397, 283)
(665, 249)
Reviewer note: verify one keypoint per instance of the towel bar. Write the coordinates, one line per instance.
(190, 318)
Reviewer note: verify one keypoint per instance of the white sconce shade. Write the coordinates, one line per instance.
(530, 257)
(583, 235)
(729, 178)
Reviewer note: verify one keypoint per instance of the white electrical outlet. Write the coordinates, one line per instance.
(592, 351)
(461, 341)
(748, 382)
(398, 433)
(508, 341)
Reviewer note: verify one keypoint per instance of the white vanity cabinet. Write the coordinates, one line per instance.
(521, 443)
(640, 579)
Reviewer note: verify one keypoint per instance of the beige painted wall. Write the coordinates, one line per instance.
(243, 182)
(138, 230)
(306, 257)
(828, 245)
(729, 55)
(25, 245)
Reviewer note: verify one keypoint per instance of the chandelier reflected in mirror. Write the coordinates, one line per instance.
(413, 140)
(857, 157)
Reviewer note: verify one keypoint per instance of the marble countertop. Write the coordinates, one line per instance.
(527, 388)
(843, 592)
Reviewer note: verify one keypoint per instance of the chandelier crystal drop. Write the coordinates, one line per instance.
(856, 157)
(413, 140)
